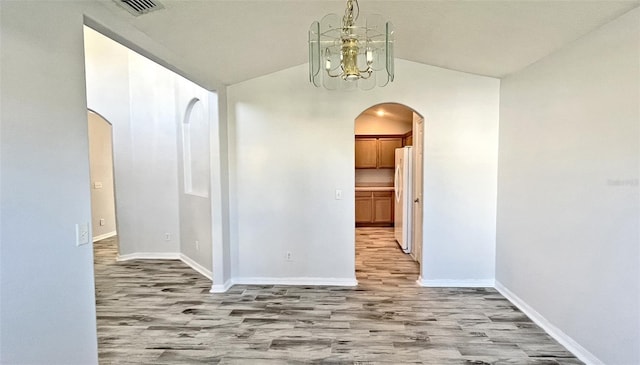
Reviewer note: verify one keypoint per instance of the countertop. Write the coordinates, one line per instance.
(374, 187)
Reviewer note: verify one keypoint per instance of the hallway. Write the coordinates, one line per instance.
(160, 312)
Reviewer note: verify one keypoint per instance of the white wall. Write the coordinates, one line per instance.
(137, 96)
(291, 146)
(223, 262)
(149, 104)
(154, 143)
(101, 168)
(106, 64)
(195, 210)
(568, 212)
(47, 310)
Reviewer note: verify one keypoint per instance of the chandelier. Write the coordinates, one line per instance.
(344, 54)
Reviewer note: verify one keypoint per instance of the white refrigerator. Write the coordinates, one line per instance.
(403, 199)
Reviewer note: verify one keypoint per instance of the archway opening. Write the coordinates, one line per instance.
(103, 206)
(389, 139)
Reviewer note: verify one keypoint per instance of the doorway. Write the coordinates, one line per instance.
(388, 242)
(103, 207)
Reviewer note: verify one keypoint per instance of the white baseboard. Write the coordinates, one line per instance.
(565, 340)
(104, 236)
(221, 288)
(166, 256)
(149, 256)
(489, 283)
(296, 281)
(196, 266)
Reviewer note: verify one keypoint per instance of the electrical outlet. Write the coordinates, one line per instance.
(167, 236)
(82, 234)
(102, 221)
(289, 256)
(338, 194)
(197, 246)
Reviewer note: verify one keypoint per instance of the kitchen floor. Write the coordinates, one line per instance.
(161, 312)
(380, 262)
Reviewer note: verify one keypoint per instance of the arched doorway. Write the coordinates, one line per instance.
(103, 207)
(389, 140)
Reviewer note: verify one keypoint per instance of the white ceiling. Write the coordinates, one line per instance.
(389, 111)
(236, 40)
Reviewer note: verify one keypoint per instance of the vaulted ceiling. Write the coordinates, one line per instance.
(236, 40)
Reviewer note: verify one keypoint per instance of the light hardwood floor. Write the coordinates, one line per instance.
(161, 312)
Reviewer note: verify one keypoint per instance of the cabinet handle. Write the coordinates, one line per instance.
(417, 200)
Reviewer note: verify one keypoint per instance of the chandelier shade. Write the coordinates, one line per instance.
(345, 54)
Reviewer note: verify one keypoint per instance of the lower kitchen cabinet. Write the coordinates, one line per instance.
(374, 208)
(364, 207)
(383, 207)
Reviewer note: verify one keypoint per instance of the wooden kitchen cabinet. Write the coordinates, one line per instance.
(387, 151)
(408, 139)
(366, 153)
(374, 208)
(383, 206)
(376, 153)
(364, 207)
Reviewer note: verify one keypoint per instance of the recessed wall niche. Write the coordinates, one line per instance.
(195, 149)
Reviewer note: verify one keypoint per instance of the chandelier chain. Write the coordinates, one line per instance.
(349, 19)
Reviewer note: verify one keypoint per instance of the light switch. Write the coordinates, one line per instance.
(97, 185)
(338, 194)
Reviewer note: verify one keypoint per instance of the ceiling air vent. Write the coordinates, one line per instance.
(140, 7)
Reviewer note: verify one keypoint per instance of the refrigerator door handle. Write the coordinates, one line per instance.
(397, 183)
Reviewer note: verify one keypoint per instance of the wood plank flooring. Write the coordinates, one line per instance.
(161, 312)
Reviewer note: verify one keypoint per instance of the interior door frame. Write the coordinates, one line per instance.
(418, 188)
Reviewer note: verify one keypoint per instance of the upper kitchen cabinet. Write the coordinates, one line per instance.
(408, 139)
(387, 151)
(366, 153)
(376, 152)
